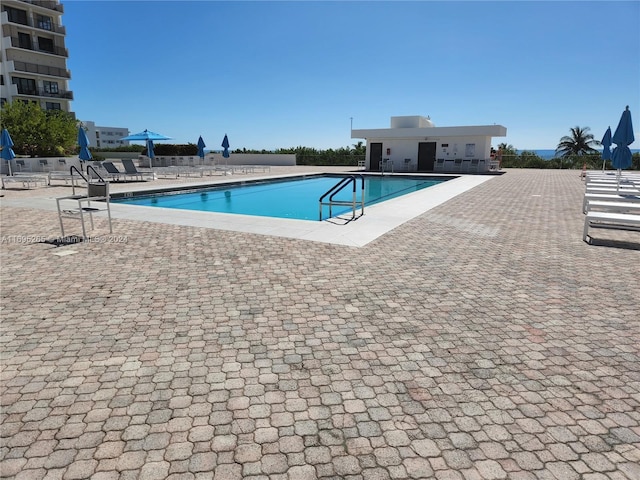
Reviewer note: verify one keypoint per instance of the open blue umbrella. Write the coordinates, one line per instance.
(7, 151)
(83, 141)
(606, 150)
(225, 145)
(623, 137)
(201, 146)
(148, 137)
(145, 135)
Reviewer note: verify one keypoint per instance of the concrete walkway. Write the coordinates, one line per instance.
(482, 339)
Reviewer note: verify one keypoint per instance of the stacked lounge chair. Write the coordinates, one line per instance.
(611, 201)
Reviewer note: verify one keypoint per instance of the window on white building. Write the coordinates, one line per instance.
(45, 22)
(46, 44)
(24, 40)
(50, 87)
(26, 86)
(16, 16)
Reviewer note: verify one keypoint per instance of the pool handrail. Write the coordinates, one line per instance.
(351, 179)
(73, 169)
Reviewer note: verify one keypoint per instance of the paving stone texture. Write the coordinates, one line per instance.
(482, 340)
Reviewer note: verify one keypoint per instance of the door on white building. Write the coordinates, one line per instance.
(375, 156)
(426, 156)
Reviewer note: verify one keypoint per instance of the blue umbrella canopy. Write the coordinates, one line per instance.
(201, 146)
(606, 144)
(145, 135)
(623, 137)
(83, 141)
(7, 151)
(225, 145)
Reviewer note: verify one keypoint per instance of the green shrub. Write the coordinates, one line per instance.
(168, 150)
(124, 148)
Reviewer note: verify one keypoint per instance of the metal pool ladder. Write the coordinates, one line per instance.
(338, 187)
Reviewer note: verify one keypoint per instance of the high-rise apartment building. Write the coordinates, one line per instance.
(33, 55)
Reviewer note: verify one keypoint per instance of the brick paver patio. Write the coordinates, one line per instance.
(482, 340)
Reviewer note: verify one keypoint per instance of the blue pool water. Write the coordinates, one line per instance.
(289, 198)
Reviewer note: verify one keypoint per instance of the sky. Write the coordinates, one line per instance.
(302, 73)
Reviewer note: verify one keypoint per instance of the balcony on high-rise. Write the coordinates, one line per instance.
(39, 69)
(49, 4)
(41, 22)
(43, 45)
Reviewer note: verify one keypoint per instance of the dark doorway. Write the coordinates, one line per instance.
(375, 156)
(426, 156)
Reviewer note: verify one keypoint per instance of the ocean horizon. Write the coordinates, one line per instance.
(548, 154)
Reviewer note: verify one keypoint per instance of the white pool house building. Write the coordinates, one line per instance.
(415, 144)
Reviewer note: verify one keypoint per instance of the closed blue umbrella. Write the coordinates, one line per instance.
(606, 150)
(7, 151)
(623, 137)
(225, 145)
(201, 146)
(83, 141)
(150, 153)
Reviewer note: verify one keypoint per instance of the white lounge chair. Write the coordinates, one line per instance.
(613, 175)
(167, 172)
(44, 165)
(613, 190)
(621, 221)
(66, 176)
(22, 166)
(608, 197)
(26, 179)
(614, 207)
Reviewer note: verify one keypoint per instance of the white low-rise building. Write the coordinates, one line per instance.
(105, 137)
(415, 144)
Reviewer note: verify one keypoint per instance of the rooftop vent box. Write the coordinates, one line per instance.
(413, 121)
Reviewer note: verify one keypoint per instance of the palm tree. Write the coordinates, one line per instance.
(507, 149)
(359, 149)
(581, 142)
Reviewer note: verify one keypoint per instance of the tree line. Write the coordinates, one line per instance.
(45, 133)
(574, 151)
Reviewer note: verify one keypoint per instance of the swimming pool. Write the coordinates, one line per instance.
(293, 198)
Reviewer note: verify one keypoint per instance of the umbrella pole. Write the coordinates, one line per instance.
(9, 164)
